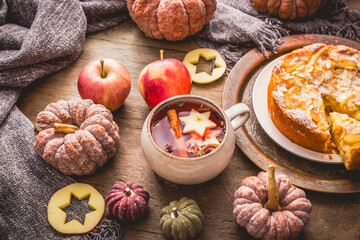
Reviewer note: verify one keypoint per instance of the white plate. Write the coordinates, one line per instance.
(259, 97)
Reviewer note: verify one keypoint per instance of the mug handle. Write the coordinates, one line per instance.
(238, 114)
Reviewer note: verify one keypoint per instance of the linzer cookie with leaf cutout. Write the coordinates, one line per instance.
(76, 136)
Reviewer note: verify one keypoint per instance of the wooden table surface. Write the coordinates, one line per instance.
(334, 216)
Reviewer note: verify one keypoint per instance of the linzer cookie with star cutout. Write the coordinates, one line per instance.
(188, 129)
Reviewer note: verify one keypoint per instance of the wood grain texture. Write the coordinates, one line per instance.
(333, 216)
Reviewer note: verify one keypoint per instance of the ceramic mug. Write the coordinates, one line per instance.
(200, 169)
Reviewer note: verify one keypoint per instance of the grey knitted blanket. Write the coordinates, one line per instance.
(39, 37)
(236, 24)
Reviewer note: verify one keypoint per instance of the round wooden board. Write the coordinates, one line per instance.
(261, 150)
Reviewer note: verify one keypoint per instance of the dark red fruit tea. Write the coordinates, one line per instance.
(188, 129)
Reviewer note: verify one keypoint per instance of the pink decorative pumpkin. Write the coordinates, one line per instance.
(171, 19)
(271, 208)
(127, 201)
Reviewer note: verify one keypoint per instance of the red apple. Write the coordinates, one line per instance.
(106, 82)
(163, 79)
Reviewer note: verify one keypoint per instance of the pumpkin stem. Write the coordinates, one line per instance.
(175, 212)
(161, 54)
(65, 128)
(273, 194)
(127, 191)
(102, 68)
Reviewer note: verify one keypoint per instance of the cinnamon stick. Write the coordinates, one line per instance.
(174, 121)
(175, 124)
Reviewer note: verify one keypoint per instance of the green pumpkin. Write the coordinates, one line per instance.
(181, 219)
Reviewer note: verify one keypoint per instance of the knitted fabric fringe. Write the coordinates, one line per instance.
(107, 229)
(334, 19)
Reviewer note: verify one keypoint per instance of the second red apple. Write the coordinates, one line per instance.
(106, 82)
(163, 79)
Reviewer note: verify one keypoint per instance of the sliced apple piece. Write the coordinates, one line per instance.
(193, 57)
(62, 199)
(197, 122)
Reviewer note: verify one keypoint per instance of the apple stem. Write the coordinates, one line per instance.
(102, 68)
(161, 54)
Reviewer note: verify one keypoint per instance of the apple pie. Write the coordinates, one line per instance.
(307, 85)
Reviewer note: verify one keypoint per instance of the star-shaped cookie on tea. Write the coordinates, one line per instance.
(197, 122)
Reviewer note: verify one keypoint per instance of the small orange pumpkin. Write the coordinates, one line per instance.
(289, 9)
(171, 19)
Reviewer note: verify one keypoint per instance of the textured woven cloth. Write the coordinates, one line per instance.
(39, 37)
(236, 24)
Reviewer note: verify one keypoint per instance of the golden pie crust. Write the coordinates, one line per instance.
(307, 85)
